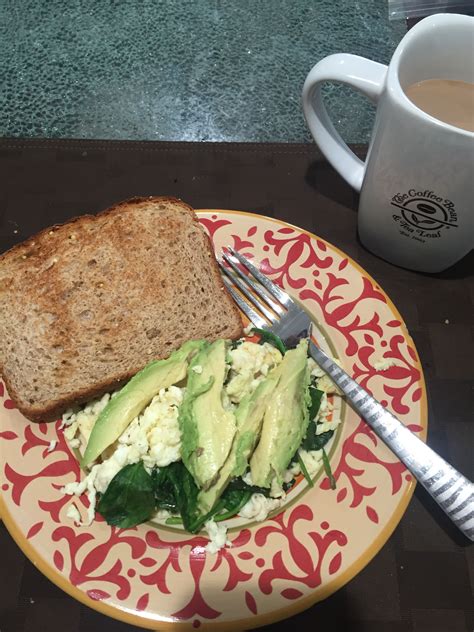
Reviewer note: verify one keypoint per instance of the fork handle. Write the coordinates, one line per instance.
(453, 492)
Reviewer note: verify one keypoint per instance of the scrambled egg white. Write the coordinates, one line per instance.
(249, 363)
(155, 434)
(312, 460)
(258, 507)
(384, 364)
(324, 382)
(82, 421)
(217, 533)
(73, 514)
(52, 445)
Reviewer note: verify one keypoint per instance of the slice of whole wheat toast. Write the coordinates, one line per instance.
(86, 304)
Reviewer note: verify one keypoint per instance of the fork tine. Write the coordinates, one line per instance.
(247, 309)
(244, 289)
(256, 288)
(274, 290)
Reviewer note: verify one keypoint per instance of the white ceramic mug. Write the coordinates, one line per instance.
(416, 186)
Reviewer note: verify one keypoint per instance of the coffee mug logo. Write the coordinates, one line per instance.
(423, 214)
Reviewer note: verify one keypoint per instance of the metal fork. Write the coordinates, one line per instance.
(269, 307)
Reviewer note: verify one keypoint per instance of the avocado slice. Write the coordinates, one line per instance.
(249, 417)
(286, 419)
(135, 396)
(208, 429)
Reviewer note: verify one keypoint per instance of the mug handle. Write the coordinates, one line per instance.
(362, 74)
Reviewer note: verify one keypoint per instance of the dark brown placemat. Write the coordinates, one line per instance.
(422, 579)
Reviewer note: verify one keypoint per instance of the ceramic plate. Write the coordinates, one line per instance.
(159, 577)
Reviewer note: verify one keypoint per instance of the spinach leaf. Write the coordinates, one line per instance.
(271, 338)
(163, 489)
(235, 496)
(313, 441)
(186, 495)
(239, 484)
(327, 469)
(129, 498)
(231, 504)
(304, 471)
(175, 489)
(316, 398)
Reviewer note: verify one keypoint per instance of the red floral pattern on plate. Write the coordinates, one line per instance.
(163, 574)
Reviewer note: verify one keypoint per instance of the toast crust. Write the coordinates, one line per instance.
(41, 247)
(19, 249)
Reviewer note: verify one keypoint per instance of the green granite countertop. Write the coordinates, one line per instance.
(214, 70)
